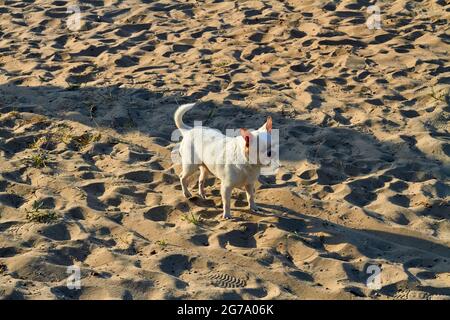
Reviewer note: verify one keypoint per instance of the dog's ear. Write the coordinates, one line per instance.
(246, 135)
(269, 124)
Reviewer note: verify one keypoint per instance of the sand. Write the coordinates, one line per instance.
(87, 180)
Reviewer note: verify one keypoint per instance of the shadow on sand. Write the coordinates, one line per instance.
(340, 155)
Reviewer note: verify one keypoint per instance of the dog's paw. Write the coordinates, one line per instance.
(202, 195)
(187, 194)
(226, 216)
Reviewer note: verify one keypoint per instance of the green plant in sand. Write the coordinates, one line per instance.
(85, 139)
(192, 218)
(38, 160)
(222, 64)
(62, 134)
(37, 214)
(294, 234)
(163, 243)
(40, 143)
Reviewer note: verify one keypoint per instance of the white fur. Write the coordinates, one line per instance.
(212, 152)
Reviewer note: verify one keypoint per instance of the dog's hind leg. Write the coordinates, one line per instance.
(201, 181)
(187, 171)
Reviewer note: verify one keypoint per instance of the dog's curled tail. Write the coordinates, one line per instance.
(178, 117)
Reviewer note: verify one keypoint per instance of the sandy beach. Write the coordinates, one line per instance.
(86, 174)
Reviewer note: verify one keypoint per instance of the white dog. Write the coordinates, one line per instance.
(236, 161)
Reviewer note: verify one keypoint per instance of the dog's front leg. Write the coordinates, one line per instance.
(201, 181)
(225, 191)
(250, 191)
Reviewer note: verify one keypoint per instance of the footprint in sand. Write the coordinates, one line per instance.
(223, 280)
(57, 232)
(200, 240)
(11, 200)
(242, 238)
(158, 213)
(141, 176)
(175, 264)
(94, 188)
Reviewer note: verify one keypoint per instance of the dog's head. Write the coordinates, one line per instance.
(260, 147)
